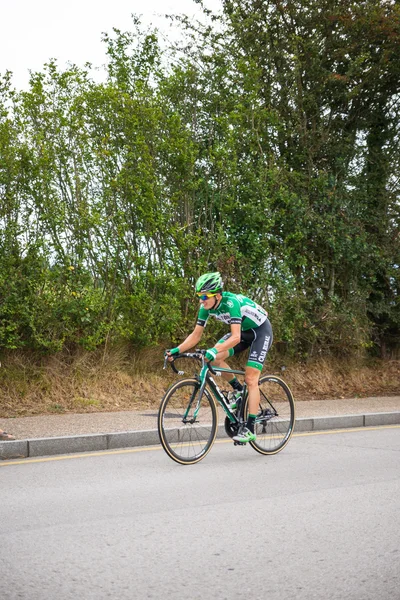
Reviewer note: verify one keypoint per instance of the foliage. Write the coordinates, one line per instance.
(266, 146)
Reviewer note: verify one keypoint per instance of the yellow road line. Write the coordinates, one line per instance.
(152, 448)
(83, 455)
(348, 430)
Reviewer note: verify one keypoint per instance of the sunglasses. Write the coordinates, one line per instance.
(205, 296)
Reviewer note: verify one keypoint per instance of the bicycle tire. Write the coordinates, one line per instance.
(187, 442)
(276, 417)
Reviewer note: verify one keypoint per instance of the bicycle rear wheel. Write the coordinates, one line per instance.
(187, 434)
(275, 419)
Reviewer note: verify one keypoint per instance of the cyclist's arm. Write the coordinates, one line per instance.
(232, 340)
(236, 326)
(192, 339)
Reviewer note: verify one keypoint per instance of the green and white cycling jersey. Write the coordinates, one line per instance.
(235, 308)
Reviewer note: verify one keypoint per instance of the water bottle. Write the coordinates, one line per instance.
(234, 399)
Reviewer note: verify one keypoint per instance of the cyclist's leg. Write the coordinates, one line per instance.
(261, 343)
(247, 434)
(220, 360)
(252, 376)
(258, 351)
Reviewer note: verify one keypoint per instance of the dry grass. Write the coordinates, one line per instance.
(119, 380)
(329, 379)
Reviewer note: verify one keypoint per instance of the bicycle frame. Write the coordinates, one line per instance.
(218, 395)
(205, 377)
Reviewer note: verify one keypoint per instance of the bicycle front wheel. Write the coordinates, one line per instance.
(275, 419)
(187, 428)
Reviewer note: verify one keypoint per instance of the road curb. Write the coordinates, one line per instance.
(129, 439)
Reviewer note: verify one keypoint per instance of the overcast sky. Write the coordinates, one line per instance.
(33, 31)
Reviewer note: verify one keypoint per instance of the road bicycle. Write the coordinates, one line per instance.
(188, 414)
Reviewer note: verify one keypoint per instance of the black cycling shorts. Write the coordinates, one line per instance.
(259, 341)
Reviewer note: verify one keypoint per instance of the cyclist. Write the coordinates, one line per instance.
(250, 328)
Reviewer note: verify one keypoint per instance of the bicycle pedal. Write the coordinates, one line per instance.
(238, 444)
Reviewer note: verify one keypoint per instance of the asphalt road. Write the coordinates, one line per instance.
(319, 520)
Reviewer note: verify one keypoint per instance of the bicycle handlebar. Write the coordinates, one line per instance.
(198, 355)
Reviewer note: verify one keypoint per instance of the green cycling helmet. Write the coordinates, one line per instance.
(209, 283)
